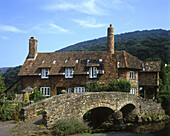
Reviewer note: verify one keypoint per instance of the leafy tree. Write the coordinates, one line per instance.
(2, 85)
(11, 76)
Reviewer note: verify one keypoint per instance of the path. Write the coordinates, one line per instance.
(5, 127)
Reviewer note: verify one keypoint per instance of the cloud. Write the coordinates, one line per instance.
(4, 37)
(93, 7)
(85, 6)
(121, 5)
(9, 28)
(89, 22)
(58, 28)
(49, 27)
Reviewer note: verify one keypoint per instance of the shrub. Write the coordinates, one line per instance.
(11, 96)
(164, 98)
(116, 86)
(113, 86)
(70, 126)
(124, 85)
(10, 111)
(93, 87)
(36, 96)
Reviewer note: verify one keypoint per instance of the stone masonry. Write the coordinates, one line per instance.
(68, 105)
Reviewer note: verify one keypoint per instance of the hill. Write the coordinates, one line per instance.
(4, 69)
(145, 44)
(11, 76)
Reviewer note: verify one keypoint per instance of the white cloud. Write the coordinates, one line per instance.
(9, 28)
(89, 22)
(58, 28)
(4, 37)
(119, 5)
(93, 7)
(48, 27)
(85, 6)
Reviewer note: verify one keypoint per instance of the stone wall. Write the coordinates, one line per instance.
(79, 105)
(32, 110)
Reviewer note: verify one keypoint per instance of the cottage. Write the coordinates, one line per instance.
(53, 72)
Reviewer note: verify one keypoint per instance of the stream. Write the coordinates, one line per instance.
(152, 129)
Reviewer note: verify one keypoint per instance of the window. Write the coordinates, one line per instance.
(46, 91)
(68, 72)
(79, 89)
(93, 72)
(69, 90)
(44, 73)
(132, 75)
(133, 91)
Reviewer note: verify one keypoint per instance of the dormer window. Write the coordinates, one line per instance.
(132, 75)
(68, 72)
(44, 73)
(93, 72)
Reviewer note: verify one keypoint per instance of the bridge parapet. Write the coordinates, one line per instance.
(32, 110)
(79, 105)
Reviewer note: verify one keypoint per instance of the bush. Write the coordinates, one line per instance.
(10, 111)
(36, 96)
(70, 126)
(116, 86)
(164, 98)
(124, 85)
(11, 96)
(96, 87)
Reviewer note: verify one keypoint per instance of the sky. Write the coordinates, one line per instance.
(59, 23)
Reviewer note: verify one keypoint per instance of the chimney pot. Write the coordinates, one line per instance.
(32, 48)
(110, 40)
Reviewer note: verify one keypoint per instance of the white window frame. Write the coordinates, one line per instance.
(45, 73)
(69, 72)
(133, 91)
(132, 75)
(69, 90)
(79, 89)
(93, 72)
(46, 91)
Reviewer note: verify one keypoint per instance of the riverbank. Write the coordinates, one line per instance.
(34, 126)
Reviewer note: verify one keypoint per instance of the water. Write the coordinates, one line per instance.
(153, 129)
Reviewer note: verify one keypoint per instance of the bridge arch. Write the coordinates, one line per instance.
(90, 107)
(98, 116)
(126, 103)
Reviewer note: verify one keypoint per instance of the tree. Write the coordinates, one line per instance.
(2, 85)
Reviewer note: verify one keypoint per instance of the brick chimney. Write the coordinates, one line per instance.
(110, 40)
(32, 48)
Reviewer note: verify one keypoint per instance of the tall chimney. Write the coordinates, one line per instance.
(32, 48)
(110, 40)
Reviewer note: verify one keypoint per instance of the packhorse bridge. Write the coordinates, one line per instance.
(78, 104)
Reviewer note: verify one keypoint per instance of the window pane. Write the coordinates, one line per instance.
(90, 72)
(95, 72)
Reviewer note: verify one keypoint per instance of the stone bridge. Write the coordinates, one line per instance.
(68, 105)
